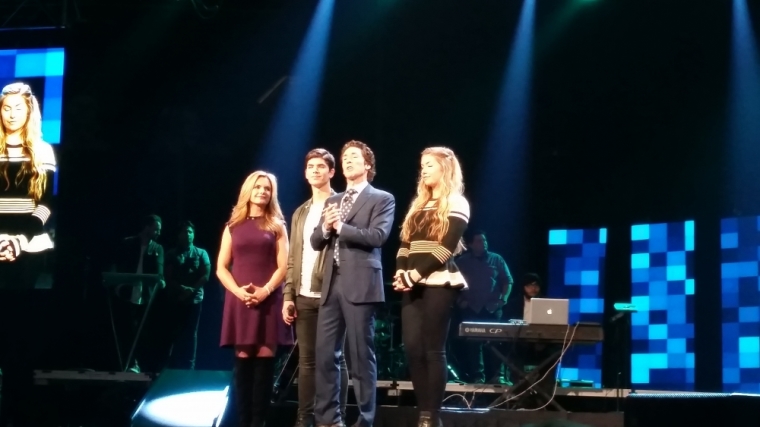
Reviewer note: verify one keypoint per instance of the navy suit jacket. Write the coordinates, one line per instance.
(364, 231)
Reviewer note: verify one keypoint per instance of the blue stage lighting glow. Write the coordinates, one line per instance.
(293, 122)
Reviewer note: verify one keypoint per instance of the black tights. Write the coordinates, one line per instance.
(425, 317)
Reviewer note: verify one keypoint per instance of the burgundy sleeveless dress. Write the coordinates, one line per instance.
(254, 260)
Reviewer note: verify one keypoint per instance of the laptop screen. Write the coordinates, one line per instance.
(549, 311)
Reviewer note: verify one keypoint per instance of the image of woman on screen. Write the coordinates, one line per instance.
(27, 165)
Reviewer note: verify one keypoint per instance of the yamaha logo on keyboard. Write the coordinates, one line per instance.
(481, 330)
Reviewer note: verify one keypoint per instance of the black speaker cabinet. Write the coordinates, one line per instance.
(692, 409)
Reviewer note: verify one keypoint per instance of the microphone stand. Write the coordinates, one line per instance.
(621, 320)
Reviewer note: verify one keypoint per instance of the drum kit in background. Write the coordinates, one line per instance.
(389, 350)
(391, 362)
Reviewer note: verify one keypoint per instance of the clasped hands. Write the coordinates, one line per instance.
(398, 284)
(331, 213)
(6, 250)
(252, 295)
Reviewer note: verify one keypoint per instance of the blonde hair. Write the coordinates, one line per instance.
(273, 218)
(31, 135)
(451, 184)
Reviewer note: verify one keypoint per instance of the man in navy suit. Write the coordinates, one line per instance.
(354, 226)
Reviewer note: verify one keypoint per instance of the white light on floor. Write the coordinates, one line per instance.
(194, 409)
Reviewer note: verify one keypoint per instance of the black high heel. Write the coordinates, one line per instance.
(427, 420)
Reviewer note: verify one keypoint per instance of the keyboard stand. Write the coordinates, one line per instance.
(114, 279)
(132, 350)
(528, 379)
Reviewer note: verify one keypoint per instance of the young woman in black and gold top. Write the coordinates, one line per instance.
(27, 165)
(425, 271)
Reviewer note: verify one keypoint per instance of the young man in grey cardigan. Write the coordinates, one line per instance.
(303, 283)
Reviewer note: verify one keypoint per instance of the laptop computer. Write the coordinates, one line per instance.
(549, 311)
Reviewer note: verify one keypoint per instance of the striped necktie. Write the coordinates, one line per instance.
(345, 208)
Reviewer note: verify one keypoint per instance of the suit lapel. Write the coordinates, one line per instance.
(361, 199)
(337, 199)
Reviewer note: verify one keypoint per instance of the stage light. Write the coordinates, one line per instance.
(194, 409)
(179, 398)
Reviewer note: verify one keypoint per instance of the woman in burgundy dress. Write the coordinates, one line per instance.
(255, 246)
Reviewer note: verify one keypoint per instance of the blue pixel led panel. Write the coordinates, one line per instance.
(576, 272)
(740, 287)
(662, 331)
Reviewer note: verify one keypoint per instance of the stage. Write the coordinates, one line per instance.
(393, 416)
(199, 398)
(86, 398)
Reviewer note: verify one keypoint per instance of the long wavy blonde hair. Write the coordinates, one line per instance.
(273, 218)
(452, 183)
(31, 134)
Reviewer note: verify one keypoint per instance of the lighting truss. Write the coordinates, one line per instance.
(36, 14)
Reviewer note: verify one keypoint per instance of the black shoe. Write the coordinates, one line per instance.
(426, 420)
(304, 421)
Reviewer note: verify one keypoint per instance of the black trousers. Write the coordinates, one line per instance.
(425, 317)
(177, 326)
(307, 310)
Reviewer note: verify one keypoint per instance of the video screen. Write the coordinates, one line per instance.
(739, 262)
(663, 288)
(31, 107)
(577, 266)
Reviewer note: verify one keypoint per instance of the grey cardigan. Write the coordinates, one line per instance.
(295, 256)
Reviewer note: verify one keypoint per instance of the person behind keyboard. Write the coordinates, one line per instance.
(526, 355)
(490, 284)
(520, 308)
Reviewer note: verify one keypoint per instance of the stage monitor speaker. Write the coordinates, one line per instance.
(181, 398)
(79, 398)
(691, 409)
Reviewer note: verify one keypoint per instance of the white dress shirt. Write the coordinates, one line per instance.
(358, 188)
(309, 255)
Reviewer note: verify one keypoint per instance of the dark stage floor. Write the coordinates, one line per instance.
(390, 416)
(104, 399)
